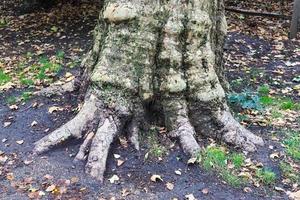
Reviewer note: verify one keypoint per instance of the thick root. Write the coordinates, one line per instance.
(186, 133)
(56, 89)
(236, 134)
(177, 121)
(84, 147)
(133, 130)
(73, 128)
(105, 134)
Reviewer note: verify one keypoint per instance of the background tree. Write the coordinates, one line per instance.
(161, 57)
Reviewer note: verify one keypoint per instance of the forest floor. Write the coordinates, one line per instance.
(43, 47)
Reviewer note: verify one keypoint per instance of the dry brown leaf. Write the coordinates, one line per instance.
(156, 178)
(170, 186)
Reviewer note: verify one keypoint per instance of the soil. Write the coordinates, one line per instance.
(24, 34)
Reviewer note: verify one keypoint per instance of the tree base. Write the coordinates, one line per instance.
(102, 124)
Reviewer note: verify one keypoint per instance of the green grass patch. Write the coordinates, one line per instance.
(11, 100)
(288, 172)
(4, 78)
(266, 176)
(292, 145)
(237, 160)
(215, 158)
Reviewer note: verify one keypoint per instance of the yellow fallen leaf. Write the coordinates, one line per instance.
(54, 109)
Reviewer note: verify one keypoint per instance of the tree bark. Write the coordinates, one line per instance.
(164, 53)
(295, 20)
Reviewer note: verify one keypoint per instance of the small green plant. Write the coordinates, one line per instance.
(266, 100)
(60, 55)
(155, 148)
(26, 81)
(3, 22)
(214, 157)
(266, 176)
(237, 160)
(4, 78)
(292, 145)
(25, 96)
(246, 100)
(288, 172)
(11, 100)
(264, 90)
(276, 114)
(289, 104)
(231, 179)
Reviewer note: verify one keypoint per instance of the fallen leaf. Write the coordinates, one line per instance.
(120, 162)
(279, 189)
(54, 109)
(116, 156)
(156, 178)
(13, 107)
(178, 172)
(20, 142)
(6, 124)
(27, 162)
(190, 197)
(113, 179)
(205, 191)
(170, 186)
(192, 161)
(34, 123)
(51, 188)
(74, 179)
(247, 189)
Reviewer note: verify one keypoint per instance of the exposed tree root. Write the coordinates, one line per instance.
(178, 123)
(236, 134)
(58, 89)
(84, 147)
(100, 146)
(73, 128)
(133, 130)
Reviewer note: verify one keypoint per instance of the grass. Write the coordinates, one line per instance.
(215, 158)
(231, 179)
(292, 145)
(237, 160)
(4, 78)
(155, 148)
(266, 176)
(288, 172)
(11, 100)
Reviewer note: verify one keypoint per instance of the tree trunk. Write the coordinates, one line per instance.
(153, 52)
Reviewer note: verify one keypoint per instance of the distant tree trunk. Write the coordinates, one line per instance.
(168, 53)
(295, 19)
